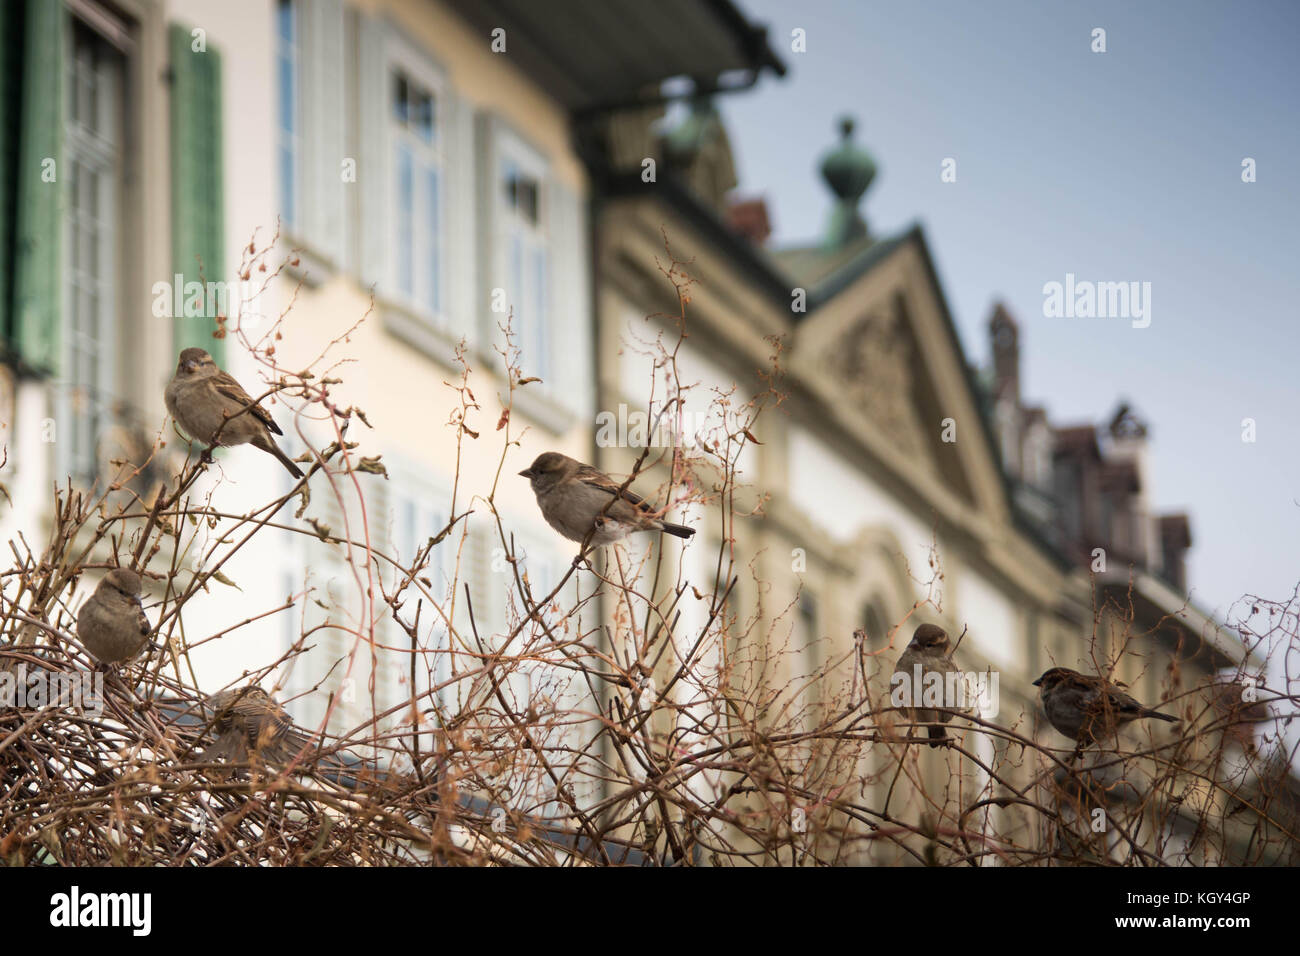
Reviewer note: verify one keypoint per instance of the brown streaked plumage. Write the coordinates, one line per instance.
(1087, 709)
(929, 649)
(111, 624)
(577, 500)
(213, 408)
(247, 720)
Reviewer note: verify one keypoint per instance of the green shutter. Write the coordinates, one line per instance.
(36, 315)
(11, 52)
(198, 231)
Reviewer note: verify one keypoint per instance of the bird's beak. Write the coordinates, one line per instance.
(1039, 682)
(189, 366)
(526, 473)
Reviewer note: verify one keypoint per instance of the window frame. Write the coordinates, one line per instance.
(290, 204)
(512, 151)
(106, 147)
(400, 54)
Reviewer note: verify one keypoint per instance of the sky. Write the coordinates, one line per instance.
(1117, 166)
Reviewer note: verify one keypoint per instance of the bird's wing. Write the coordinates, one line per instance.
(227, 387)
(270, 731)
(598, 479)
(1123, 703)
(141, 619)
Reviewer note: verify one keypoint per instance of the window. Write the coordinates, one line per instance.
(873, 622)
(807, 650)
(311, 178)
(289, 124)
(93, 145)
(418, 512)
(520, 175)
(417, 201)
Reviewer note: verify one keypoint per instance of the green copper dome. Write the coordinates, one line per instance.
(848, 170)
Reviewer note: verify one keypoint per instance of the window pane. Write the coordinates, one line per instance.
(516, 273)
(404, 216)
(284, 18)
(527, 191)
(423, 118)
(287, 108)
(287, 185)
(286, 93)
(521, 192)
(541, 359)
(401, 99)
(509, 179)
(435, 245)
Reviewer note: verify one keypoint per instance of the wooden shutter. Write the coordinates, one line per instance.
(198, 215)
(37, 290)
(570, 300)
(11, 51)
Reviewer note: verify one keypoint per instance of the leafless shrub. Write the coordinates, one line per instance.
(627, 711)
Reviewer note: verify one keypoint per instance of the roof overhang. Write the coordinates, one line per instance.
(1153, 597)
(614, 54)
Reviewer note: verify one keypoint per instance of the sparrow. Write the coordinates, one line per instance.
(576, 500)
(927, 653)
(1087, 708)
(111, 624)
(247, 720)
(209, 405)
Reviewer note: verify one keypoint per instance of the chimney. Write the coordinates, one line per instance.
(1127, 443)
(1175, 539)
(749, 218)
(1004, 339)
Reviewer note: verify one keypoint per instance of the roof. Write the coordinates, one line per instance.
(598, 56)
(1120, 476)
(1176, 530)
(826, 272)
(1152, 597)
(1076, 440)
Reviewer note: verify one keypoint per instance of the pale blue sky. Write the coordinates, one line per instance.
(1117, 166)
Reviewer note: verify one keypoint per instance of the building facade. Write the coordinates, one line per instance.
(433, 172)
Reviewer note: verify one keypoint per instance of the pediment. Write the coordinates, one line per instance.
(872, 361)
(882, 354)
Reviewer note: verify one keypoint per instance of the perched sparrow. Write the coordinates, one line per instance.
(926, 654)
(575, 498)
(247, 720)
(210, 404)
(111, 623)
(1088, 708)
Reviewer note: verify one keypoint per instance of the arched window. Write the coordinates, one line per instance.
(874, 621)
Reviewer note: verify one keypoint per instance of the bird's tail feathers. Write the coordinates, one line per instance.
(225, 747)
(284, 459)
(679, 530)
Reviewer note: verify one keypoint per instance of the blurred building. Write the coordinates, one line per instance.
(441, 167)
(889, 449)
(423, 166)
(146, 144)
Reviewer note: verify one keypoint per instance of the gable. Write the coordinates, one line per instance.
(880, 352)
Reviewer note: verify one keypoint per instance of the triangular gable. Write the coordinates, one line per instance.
(879, 348)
